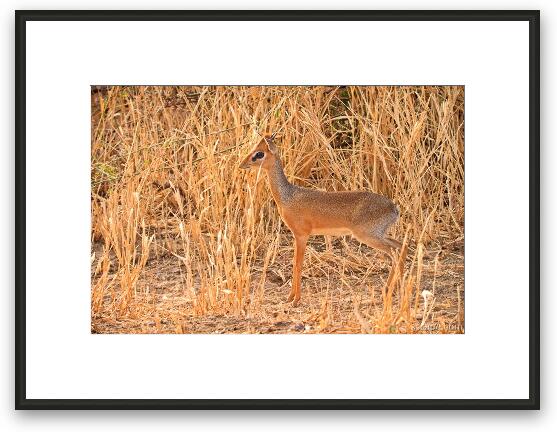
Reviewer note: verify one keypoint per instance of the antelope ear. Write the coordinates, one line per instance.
(269, 139)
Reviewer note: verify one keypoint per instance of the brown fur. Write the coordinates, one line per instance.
(365, 215)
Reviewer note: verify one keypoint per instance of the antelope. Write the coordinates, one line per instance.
(365, 215)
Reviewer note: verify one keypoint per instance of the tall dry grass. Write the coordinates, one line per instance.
(165, 184)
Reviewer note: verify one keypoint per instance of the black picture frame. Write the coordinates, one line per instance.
(531, 16)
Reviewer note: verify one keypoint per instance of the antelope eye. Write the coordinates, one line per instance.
(258, 155)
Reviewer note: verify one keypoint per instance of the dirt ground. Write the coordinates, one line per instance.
(335, 298)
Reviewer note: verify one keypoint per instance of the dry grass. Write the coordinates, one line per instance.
(183, 241)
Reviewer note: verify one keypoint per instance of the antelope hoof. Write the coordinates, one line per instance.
(290, 297)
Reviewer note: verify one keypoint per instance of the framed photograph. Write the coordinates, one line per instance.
(277, 210)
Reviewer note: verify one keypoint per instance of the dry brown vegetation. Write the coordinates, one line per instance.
(185, 242)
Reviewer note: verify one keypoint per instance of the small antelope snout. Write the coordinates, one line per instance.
(244, 165)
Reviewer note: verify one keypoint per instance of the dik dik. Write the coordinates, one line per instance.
(365, 215)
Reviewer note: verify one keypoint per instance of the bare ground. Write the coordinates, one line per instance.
(335, 298)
